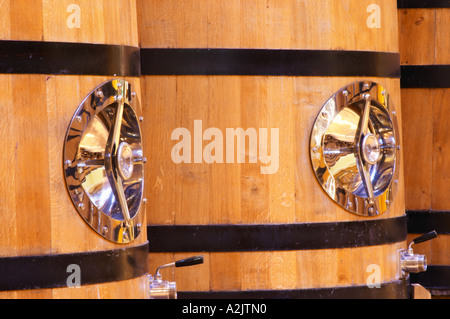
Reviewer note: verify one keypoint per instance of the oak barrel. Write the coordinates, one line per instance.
(52, 55)
(211, 66)
(425, 59)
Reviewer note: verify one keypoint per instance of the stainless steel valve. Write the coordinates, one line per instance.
(411, 262)
(162, 289)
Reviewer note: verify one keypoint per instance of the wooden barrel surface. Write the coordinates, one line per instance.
(52, 55)
(425, 89)
(214, 65)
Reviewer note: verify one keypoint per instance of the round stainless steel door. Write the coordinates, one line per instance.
(103, 162)
(354, 148)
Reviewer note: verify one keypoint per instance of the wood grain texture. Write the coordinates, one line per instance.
(126, 289)
(277, 270)
(36, 111)
(424, 36)
(237, 193)
(232, 192)
(418, 127)
(290, 24)
(442, 36)
(101, 21)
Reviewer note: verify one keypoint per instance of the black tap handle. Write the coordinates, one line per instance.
(425, 237)
(189, 261)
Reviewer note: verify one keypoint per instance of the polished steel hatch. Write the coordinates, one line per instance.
(103, 162)
(354, 148)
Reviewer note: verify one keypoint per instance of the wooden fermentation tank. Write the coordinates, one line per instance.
(425, 91)
(226, 64)
(53, 54)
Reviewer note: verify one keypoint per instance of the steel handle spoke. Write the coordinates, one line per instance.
(122, 201)
(364, 167)
(112, 150)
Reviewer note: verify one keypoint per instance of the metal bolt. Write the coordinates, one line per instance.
(105, 229)
(141, 119)
(81, 206)
(366, 96)
(78, 119)
(394, 113)
(138, 227)
(100, 94)
(144, 160)
(398, 147)
(133, 94)
(144, 200)
(68, 163)
(371, 210)
(345, 92)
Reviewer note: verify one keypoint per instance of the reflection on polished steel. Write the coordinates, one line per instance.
(103, 162)
(353, 148)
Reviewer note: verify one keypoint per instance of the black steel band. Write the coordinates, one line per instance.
(425, 76)
(391, 290)
(422, 4)
(437, 277)
(53, 271)
(421, 222)
(269, 62)
(60, 58)
(230, 238)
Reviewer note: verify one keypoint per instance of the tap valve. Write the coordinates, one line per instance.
(161, 289)
(415, 263)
